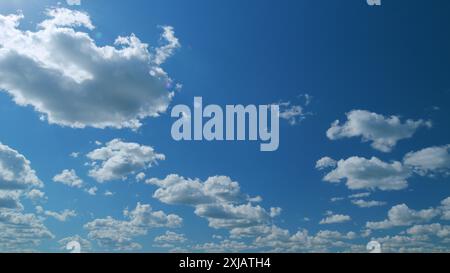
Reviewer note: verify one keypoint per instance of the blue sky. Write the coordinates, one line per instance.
(389, 62)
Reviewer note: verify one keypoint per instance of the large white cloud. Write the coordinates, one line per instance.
(175, 189)
(119, 235)
(361, 173)
(118, 159)
(218, 199)
(61, 72)
(15, 170)
(430, 160)
(383, 132)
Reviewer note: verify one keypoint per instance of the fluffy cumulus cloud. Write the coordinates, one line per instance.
(15, 170)
(383, 132)
(361, 173)
(325, 163)
(430, 160)
(64, 75)
(402, 215)
(115, 234)
(69, 178)
(218, 199)
(118, 159)
(36, 195)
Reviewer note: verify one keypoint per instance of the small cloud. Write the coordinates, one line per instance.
(74, 155)
(335, 219)
(108, 193)
(73, 2)
(92, 191)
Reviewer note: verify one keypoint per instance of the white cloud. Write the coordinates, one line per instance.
(402, 215)
(361, 173)
(432, 229)
(281, 240)
(359, 195)
(368, 204)
(21, 232)
(166, 51)
(225, 246)
(110, 233)
(36, 195)
(408, 244)
(175, 189)
(62, 216)
(140, 176)
(108, 193)
(69, 178)
(294, 113)
(430, 160)
(120, 159)
(73, 2)
(10, 200)
(75, 155)
(337, 199)
(218, 199)
(92, 191)
(61, 17)
(325, 163)
(61, 72)
(445, 208)
(170, 238)
(383, 132)
(15, 171)
(120, 235)
(335, 219)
